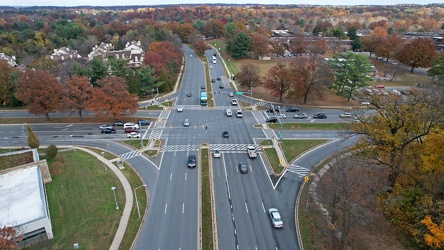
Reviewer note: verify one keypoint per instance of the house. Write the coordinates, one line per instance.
(102, 50)
(133, 53)
(63, 54)
(9, 59)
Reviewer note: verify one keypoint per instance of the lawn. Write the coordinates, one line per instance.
(294, 148)
(308, 126)
(207, 219)
(136, 143)
(274, 160)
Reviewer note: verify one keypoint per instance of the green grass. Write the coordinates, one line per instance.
(136, 143)
(308, 126)
(154, 107)
(274, 160)
(150, 152)
(207, 219)
(294, 148)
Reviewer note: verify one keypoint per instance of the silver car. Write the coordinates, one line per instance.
(276, 219)
(186, 123)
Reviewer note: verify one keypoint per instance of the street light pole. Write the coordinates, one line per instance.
(6, 138)
(115, 199)
(140, 133)
(103, 156)
(23, 131)
(137, 201)
(72, 141)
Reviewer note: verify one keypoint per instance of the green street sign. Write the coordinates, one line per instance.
(238, 93)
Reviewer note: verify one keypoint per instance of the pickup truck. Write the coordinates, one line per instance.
(251, 150)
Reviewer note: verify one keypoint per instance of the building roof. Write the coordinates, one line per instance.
(22, 197)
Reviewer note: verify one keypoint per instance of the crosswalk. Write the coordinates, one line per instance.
(301, 171)
(129, 155)
(221, 147)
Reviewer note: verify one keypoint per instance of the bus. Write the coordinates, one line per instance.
(203, 98)
(214, 59)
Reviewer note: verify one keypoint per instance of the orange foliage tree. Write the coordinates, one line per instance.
(418, 53)
(111, 99)
(278, 80)
(436, 236)
(259, 45)
(9, 238)
(201, 46)
(77, 92)
(40, 90)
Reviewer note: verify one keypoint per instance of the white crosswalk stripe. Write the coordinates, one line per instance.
(301, 171)
(129, 155)
(172, 148)
(233, 147)
(222, 147)
(155, 134)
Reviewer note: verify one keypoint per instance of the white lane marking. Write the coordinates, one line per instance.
(161, 158)
(171, 176)
(246, 207)
(251, 170)
(166, 206)
(183, 207)
(263, 207)
(226, 177)
(186, 176)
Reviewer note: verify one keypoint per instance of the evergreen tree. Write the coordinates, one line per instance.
(33, 139)
(241, 45)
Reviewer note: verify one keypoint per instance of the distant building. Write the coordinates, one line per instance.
(102, 50)
(9, 59)
(133, 53)
(281, 33)
(64, 54)
(23, 201)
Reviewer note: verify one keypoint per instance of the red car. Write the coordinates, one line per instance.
(380, 86)
(131, 129)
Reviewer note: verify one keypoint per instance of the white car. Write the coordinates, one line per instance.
(282, 116)
(346, 115)
(300, 116)
(231, 94)
(180, 109)
(186, 123)
(191, 55)
(234, 102)
(130, 124)
(216, 153)
(133, 135)
(276, 219)
(105, 126)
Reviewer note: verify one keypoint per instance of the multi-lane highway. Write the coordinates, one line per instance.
(242, 200)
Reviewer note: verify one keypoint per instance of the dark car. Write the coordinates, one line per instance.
(273, 109)
(118, 123)
(221, 86)
(292, 109)
(131, 129)
(271, 120)
(108, 131)
(191, 161)
(320, 116)
(243, 168)
(218, 78)
(144, 122)
(189, 94)
(212, 80)
(202, 87)
(225, 134)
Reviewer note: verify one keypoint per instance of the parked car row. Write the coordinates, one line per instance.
(274, 119)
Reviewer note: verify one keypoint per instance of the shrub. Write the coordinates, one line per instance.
(57, 167)
(51, 151)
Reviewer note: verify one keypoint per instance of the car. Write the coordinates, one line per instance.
(189, 94)
(218, 78)
(282, 116)
(221, 86)
(275, 217)
(186, 123)
(105, 126)
(365, 103)
(143, 122)
(292, 109)
(133, 135)
(228, 112)
(300, 116)
(118, 123)
(180, 109)
(225, 134)
(216, 153)
(108, 131)
(243, 168)
(405, 92)
(202, 87)
(130, 124)
(395, 92)
(380, 86)
(239, 113)
(346, 115)
(234, 102)
(191, 55)
(320, 116)
(191, 161)
(272, 119)
(131, 129)
(231, 94)
(273, 109)
(212, 80)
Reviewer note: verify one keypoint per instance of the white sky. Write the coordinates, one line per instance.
(158, 2)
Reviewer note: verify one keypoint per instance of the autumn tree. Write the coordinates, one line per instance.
(111, 99)
(437, 68)
(200, 46)
(7, 85)
(277, 46)
(33, 139)
(418, 53)
(370, 43)
(388, 46)
(298, 44)
(76, 94)
(9, 238)
(248, 75)
(350, 72)
(185, 30)
(40, 91)
(278, 80)
(213, 28)
(259, 45)
(435, 237)
(241, 45)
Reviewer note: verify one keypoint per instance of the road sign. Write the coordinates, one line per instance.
(306, 178)
(238, 93)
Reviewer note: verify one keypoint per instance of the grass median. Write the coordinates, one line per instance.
(207, 218)
(308, 126)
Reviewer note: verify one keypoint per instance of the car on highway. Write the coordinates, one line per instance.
(272, 119)
(300, 116)
(346, 115)
(189, 94)
(191, 55)
(292, 109)
(221, 86)
(180, 109)
(186, 123)
(282, 116)
(228, 112)
(213, 80)
(218, 78)
(133, 135)
(273, 109)
(216, 153)
(108, 131)
(191, 161)
(231, 94)
(143, 122)
(320, 116)
(202, 87)
(225, 134)
(243, 168)
(118, 123)
(130, 124)
(105, 126)
(234, 102)
(275, 217)
(380, 86)
(239, 113)
(131, 129)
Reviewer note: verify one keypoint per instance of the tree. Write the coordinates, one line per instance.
(388, 46)
(248, 75)
(241, 45)
(51, 151)
(200, 46)
(40, 91)
(369, 44)
(350, 72)
(437, 68)
(418, 53)
(230, 30)
(33, 139)
(97, 70)
(148, 80)
(259, 45)
(278, 46)
(298, 44)
(310, 74)
(185, 30)
(278, 80)
(111, 99)
(118, 67)
(9, 238)
(76, 94)
(213, 28)
(7, 85)
(436, 236)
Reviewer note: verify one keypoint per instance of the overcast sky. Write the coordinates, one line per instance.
(157, 2)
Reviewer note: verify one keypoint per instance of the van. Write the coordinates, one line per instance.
(191, 161)
(228, 112)
(239, 113)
